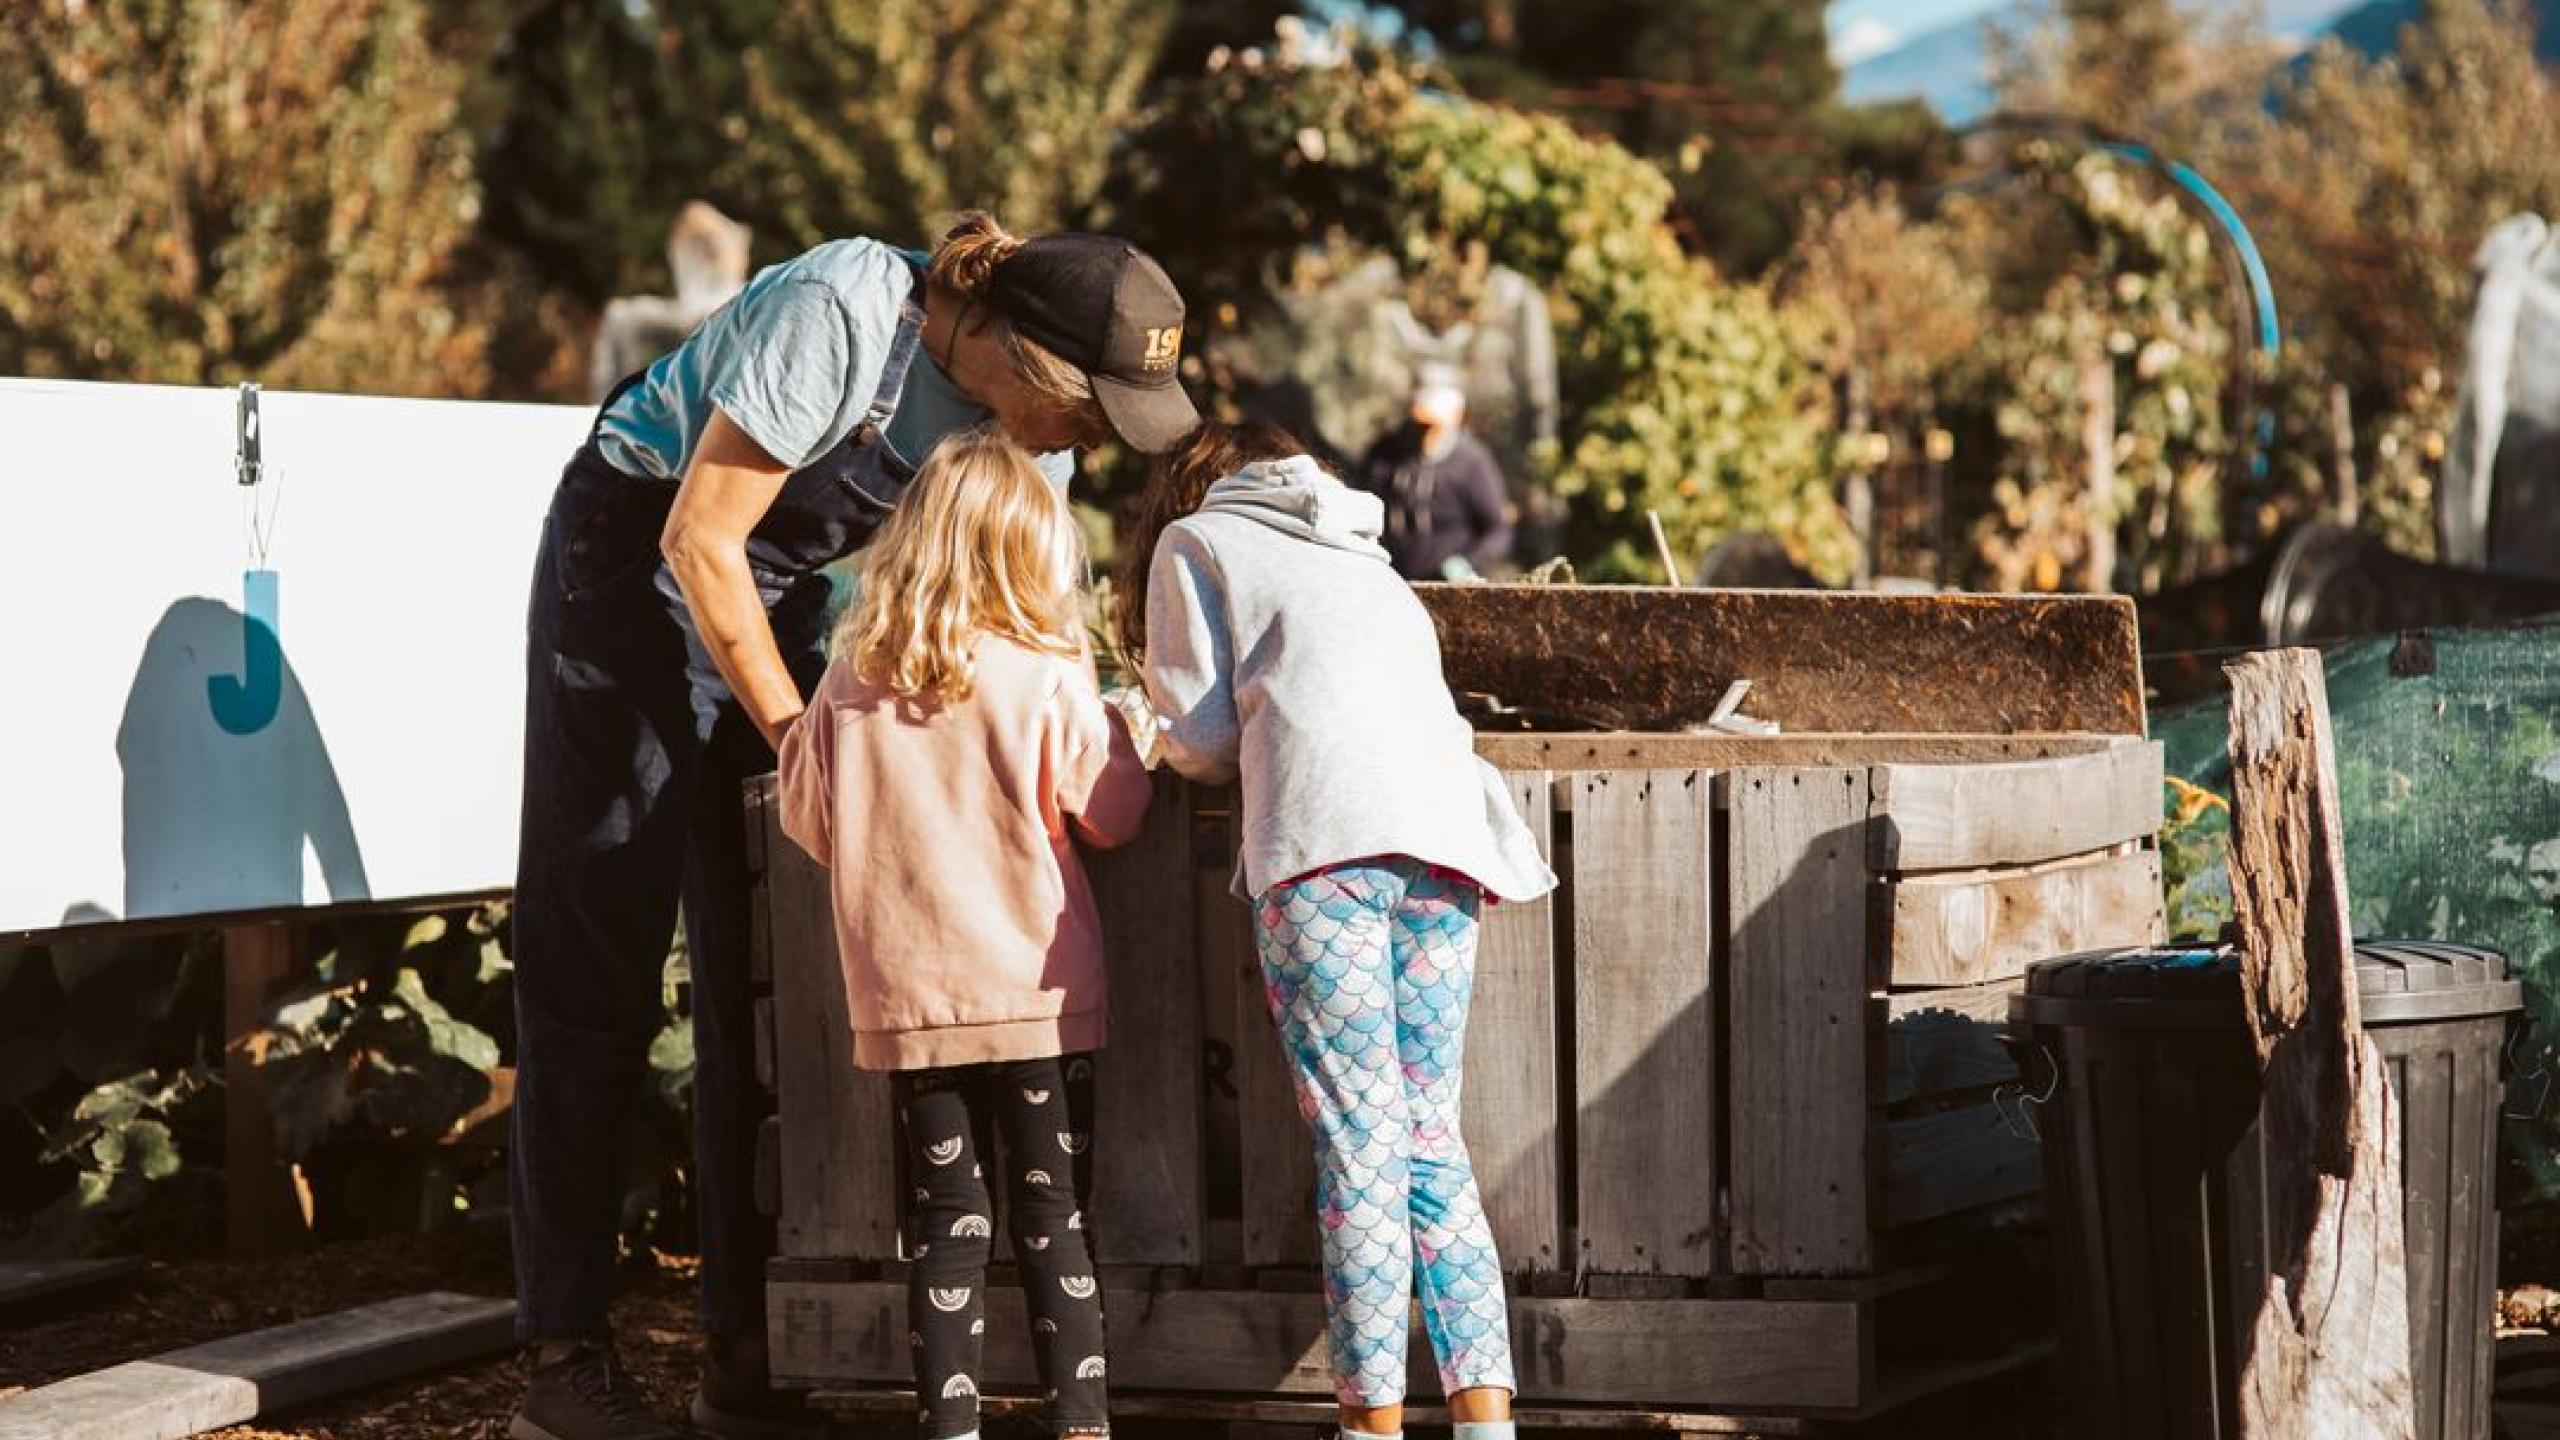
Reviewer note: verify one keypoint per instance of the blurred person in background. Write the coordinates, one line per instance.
(1449, 515)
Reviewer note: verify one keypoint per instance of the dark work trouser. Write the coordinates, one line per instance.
(1044, 1111)
(633, 769)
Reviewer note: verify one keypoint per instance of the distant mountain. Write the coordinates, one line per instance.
(1949, 68)
(2374, 28)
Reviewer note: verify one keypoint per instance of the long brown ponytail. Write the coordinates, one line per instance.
(1180, 480)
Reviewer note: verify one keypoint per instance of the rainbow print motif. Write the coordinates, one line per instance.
(1368, 969)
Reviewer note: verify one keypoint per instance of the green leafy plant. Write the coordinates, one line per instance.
(385, 1073)
(1680, 393)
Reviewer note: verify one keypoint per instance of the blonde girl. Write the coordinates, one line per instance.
(954, 749)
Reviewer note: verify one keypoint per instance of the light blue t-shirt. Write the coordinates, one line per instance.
(793, 361)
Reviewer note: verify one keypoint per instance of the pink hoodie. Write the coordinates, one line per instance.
(967, 929)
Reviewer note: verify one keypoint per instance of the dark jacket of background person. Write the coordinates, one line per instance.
(1449, 505)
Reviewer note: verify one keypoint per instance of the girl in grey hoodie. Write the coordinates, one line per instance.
(1281, 650)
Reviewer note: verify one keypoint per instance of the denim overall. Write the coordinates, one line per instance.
(635, 754)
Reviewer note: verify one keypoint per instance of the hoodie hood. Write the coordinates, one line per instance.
(1297, 498)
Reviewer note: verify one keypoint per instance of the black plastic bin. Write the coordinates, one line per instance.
(2156, 1182)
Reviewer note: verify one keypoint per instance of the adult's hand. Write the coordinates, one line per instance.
(727, 489)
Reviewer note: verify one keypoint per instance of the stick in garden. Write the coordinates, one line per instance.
(2329, 1353)
(1662, 547)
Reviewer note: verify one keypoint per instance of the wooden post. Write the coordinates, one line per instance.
(264, 1212)
(1858, 487)
(2345, 493)
(2328, 1355)
(2098, 446)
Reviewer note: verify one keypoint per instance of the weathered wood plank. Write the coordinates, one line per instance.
(227, 1382)
(1509, 1102)
(1148, 1197)
(1318, 1419)
(1637, 750)
(2328, 1350)
(1645, 1058)
(1275, 1154)
(839, 1134)
(1940, 1041)
(1797, 882)
(1941, 1164)
(1972, 927)
(1663, 1353)
(1958, 817)
(1649, 658)
(24, 1280)
(768, 1171)
(1229, 975)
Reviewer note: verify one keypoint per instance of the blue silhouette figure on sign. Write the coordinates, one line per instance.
(245, 704)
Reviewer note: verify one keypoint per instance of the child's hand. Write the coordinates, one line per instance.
(1139, 718)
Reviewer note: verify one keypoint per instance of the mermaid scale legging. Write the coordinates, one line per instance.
(1368, 967)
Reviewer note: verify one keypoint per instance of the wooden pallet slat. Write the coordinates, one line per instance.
(1956, 1160)
(1509, 1100)
(1976, 927)
(1940, 1041)
(1674, 1352)
(1645, 1055)
(1306, 1419)
(1797, 883)
(839, 1136)
(1275, 1154)
(1961, 817)
(1635, 750)
(1148, 1200)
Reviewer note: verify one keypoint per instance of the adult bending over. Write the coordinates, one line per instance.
(675, 629)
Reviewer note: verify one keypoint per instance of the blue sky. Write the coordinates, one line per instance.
(1862, 29)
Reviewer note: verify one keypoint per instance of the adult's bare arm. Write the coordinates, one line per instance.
(727, 489)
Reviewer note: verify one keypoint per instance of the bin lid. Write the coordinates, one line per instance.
(2400, 982)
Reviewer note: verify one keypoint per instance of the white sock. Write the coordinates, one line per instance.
(1350, 1434)
(1483, 1430)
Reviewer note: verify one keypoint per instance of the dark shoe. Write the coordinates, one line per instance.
(737, 1401)
(585, 1394)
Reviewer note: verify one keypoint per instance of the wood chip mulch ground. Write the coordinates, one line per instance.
(179, 1303)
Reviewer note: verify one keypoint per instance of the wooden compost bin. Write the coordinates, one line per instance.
(1729, 1090)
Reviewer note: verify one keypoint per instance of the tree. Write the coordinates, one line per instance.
(209, 190)
(1680, 394)
(2152, 69)
(1895, 318)
(1733, 97)
(807, 119)
(2371, 183)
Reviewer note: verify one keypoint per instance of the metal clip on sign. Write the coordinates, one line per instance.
(249, 464)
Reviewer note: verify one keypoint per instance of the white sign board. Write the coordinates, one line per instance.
(192, 731)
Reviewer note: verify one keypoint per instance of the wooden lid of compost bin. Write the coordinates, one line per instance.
(2400, 982)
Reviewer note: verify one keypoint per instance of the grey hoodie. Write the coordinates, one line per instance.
(1283, 650)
